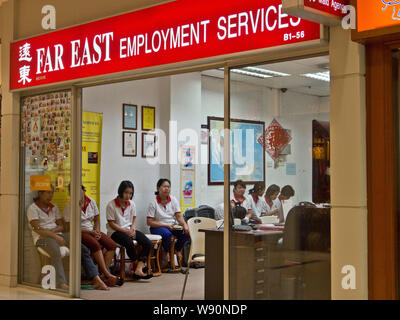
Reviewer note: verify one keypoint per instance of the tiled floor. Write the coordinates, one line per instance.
(153, 289)
(166, 287)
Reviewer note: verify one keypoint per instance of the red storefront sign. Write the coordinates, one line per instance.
(178, 31)
(327, 12)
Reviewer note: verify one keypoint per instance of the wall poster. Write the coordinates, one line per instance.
(188, 176)
(247, 153)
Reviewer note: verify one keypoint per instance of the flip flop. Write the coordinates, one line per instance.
(147, 277)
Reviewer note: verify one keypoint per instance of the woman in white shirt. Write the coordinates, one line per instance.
(269, 206)
(47, 226)
(239, 199)
(121, 217)
(164, 218)
(255, 200)
(91, 235)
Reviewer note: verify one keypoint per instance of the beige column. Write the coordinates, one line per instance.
(9, 175)
(348, 164)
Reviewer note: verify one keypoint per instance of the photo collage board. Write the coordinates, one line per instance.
(46, 136)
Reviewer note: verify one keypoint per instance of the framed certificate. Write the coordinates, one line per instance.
(129, 116)
(148, 145)
(129, 144)
(148, 118)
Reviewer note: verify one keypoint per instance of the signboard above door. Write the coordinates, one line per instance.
(328, 12)
(175, 32)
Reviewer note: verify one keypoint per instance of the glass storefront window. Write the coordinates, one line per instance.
(280, 194)
(280, 186)
(161, 126)
(46, 150)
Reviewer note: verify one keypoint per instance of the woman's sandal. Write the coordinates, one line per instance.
(147, 277)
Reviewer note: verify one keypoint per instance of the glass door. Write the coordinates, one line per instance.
(280, 200)
(47, 158)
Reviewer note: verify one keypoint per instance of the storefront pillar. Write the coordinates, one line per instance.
(349, 236)
(9, 176)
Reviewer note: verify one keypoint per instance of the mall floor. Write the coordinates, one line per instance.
(166, 287)
(22, 293)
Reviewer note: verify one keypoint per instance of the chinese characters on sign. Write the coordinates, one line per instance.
(24, 71)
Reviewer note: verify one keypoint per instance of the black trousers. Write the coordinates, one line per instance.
(124, 240)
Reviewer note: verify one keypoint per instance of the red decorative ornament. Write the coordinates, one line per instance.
(274, 139)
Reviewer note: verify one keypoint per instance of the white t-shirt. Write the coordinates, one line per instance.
(86, 217)
(164, 214)
(47, 220)
(256, 207)
(121, 217)
(266, 207)
(245, 203)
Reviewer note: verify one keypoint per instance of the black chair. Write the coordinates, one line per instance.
(201, 211)
(307, 228)
(304, 270)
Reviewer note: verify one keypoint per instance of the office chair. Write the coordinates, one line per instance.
(197, 245)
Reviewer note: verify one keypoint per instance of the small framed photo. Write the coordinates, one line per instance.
(148, 118)
(129, 144)
(148, 145)
(129, 116)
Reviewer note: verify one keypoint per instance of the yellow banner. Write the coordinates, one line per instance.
(92, 124)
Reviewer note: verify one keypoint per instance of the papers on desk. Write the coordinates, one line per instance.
(270, 226)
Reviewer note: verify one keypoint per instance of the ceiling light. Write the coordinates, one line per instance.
(267, 72)
(323, 76)
(251, 74)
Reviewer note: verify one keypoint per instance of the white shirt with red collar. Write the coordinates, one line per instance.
(256, 204)
(268, 205)
(121, 216)
(46, 218)
(164, 213)
(244, 202)
(88, 212)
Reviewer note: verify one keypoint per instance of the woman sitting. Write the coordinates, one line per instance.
(121, 217)
(238, 199)
(165, 219)
(269, 206)
(92, 238)
(47, 226)
(255, 200)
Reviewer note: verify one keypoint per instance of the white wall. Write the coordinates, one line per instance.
(108, 99)
(186, 111)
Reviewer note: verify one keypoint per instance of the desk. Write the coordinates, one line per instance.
(260, 268)
(250, 250)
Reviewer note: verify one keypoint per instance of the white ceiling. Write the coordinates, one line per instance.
(295, 82)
